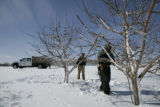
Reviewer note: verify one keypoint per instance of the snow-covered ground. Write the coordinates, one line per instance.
(32, 87)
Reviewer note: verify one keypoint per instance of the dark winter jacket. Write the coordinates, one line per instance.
(103, 57)
(81, 60)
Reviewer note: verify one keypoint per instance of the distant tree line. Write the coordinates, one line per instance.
(73, 62)
(4, 64)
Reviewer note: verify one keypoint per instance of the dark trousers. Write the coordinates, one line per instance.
(105, 76)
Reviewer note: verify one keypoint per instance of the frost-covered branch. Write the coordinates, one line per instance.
(108, 27)
(92, 33)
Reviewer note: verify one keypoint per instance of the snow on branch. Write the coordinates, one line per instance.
(93, 34)
(108, 27)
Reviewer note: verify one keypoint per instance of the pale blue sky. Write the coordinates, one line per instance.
(18, 17)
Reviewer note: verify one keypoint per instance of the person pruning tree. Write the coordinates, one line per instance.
(104, 68)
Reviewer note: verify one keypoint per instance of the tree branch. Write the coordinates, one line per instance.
(148, 67)
(144, 32)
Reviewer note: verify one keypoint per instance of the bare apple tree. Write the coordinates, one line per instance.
(133, 28)
(62, 43)
(56, 42)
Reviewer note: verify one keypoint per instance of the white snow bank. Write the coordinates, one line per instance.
(32, 87)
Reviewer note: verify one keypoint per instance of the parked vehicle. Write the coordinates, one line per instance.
(40, 62)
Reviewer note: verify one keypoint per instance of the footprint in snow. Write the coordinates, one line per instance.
(16, 104)
(64, 105)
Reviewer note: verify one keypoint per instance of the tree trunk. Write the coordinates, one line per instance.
(66, 77)
(135, 91)
(66, 72)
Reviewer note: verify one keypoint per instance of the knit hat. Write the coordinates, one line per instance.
(108, 47)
